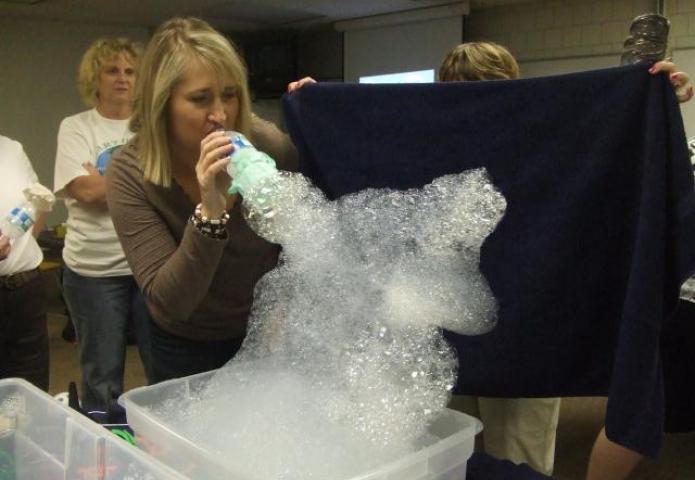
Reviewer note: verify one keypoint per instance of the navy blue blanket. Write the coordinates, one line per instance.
(597, 237)
(484, 467)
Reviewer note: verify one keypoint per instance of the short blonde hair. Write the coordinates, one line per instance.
(175, 44)
(478, 61)
(100, 52)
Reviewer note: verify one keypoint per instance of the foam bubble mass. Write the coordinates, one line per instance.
(344, 364)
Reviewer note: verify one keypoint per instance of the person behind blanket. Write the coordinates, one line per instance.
(99, 288)
(191, 252)
(23, 332)
(522, 430)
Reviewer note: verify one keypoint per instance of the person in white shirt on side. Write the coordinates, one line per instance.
(23, 333)
(98, 285)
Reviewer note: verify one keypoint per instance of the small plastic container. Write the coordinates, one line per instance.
(41, 439)
(444, 460)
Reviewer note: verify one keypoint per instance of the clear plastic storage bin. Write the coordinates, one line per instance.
(444, 460)
(42, 439)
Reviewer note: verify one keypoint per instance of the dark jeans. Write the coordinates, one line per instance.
(100, 308)
(23, 332)
(175, 357)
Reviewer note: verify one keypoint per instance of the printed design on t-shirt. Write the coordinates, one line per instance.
(107, 150)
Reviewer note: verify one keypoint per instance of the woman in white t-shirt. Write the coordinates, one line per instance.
(99, 288)
(23, 334)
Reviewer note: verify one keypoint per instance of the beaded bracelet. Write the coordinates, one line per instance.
(210, 227)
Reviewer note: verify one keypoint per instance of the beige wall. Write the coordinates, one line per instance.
(574, 28)
(682, 16)
(38, 67)
(555, 29)
(559, 36)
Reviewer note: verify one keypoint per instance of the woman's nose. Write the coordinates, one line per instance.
(218, 114)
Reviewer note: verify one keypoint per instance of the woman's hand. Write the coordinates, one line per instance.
(212, 177)
(292, 86)
(679, 80)
(5, 247)
(91, 169)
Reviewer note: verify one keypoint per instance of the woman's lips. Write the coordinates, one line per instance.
(216, 128)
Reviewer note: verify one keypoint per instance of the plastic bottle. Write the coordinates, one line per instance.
(248, 167)
(254, 176)
(18, 221)
(21, 218)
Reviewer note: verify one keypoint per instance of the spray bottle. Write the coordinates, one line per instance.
(21, 218)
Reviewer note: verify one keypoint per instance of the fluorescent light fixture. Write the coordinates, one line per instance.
(418, 76)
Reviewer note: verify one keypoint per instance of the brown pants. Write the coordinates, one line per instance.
(23, 331)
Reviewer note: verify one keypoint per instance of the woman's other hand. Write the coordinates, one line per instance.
(679, 80)
(91, 169)
(212, 176)
(293, 86)
(5, 247)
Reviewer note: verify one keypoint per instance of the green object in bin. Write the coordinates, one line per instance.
(125, 435)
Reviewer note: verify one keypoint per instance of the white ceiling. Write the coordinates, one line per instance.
(229, 15)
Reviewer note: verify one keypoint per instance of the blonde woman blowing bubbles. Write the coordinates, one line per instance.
(190, 249)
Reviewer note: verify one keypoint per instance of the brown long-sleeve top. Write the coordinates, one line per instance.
(196, 287)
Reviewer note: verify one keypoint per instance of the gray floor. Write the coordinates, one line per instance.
(580, 418)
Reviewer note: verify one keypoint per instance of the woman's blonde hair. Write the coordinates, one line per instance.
(97, 55)
(478, 61)
(175, 44)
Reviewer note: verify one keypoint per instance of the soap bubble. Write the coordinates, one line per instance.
(344, 364)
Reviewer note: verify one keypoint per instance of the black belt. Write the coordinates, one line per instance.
(19, 279)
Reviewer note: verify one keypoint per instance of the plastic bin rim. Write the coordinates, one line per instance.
(438, 447)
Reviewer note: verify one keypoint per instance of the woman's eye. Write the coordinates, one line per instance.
(199, 99)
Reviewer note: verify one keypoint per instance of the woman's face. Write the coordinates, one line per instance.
(116, 82)
(200, 103)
